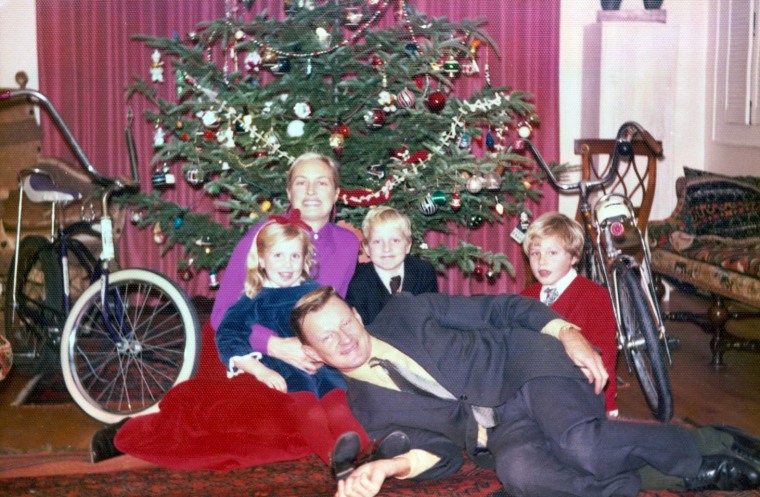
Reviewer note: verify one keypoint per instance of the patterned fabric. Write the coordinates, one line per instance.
(722, 205)
(712, 238)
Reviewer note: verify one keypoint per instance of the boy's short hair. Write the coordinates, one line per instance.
(386, 215)
(569, 231)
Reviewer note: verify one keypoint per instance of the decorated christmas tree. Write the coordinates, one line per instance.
(250, 96)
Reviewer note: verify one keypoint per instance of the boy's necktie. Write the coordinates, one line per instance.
(395, 284)
(550, 295)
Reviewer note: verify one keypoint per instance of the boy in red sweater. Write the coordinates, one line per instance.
(553, 244)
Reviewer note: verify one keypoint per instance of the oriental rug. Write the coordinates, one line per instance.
(307, 477)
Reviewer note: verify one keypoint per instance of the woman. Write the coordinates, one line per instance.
(313, 185)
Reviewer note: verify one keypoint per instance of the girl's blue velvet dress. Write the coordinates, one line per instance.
(271, 308)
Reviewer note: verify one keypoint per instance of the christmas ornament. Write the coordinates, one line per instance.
(492, 180)
(412, 49)
(209, 135)
(479, 271)
(499, 207)
(427, 206)
(353, 17)
(336, 143)
(451, 66)
(400, 154)
(464, 141)
(489, 141)
(406, 99)
(295, 128)
(344, 130)
(162, 177)
(376, 171)
(178, 222)
(281, 67)
(324, 38)
(439, 198)
(158, 234)
(524, 130)
(159, 137)
(137, 217)
(185, 274)
(303, 110)
(226, 138)
(265, 205)
(210, 119)
(475, 183)
(194, 176)
(436, 101)
(156, 67)
(375, 118)
(253, 62)
(268, 57)
(387, 101)
(456, 202)
(213, 281)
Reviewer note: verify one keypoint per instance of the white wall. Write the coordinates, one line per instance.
(689, 125)
(18, 42)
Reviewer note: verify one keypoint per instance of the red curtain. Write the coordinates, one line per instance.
(87, 58)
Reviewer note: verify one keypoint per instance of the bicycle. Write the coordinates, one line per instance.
(129, 337)
(607, 259)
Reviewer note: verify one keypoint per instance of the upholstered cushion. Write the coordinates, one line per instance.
(720, 205)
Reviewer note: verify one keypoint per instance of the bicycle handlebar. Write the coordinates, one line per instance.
(110, 183)
(622, 147)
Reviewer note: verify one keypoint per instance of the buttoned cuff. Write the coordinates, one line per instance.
(554, 326)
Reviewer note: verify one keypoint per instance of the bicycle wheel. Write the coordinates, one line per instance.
(643, 344)
(39, 314)
(119, 359)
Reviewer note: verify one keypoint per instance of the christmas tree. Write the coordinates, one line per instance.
(252, 96)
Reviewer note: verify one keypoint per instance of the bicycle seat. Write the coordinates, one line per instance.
(40, 187)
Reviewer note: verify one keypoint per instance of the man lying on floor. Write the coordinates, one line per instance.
(512, 384)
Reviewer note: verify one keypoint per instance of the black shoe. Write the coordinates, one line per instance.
(342, 457)
(388, 447)
(744, 444)
(724, 472)
(102, 446)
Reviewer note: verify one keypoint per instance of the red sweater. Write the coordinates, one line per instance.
(586, 304)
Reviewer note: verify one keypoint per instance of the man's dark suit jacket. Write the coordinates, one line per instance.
(481, 349)
(368, 295)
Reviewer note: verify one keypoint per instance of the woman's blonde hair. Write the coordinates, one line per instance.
(267, 237)
(556, 224)
(314, 156)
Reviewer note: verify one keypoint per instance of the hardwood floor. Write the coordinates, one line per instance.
(701, 394)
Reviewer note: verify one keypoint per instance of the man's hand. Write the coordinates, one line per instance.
(290, 350)
(368, 479)
(583, 355)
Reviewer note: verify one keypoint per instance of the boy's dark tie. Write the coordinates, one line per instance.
(395, 284)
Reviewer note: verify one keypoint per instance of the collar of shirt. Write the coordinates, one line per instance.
(385, 276)
(564, 282)
(269, 284)
(377, 375)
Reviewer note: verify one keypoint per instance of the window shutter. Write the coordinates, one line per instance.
(739, 57)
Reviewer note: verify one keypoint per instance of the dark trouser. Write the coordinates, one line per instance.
(553, 438)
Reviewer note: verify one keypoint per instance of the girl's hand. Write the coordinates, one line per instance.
(289, 350)
(272, 379)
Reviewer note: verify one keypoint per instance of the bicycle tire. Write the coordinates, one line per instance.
(159, 347)
(643, 339)
(39, 312)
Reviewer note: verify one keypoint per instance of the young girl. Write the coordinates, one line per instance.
(278, 267)
(267, 410)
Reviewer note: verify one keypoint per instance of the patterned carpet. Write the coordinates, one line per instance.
(305, 478)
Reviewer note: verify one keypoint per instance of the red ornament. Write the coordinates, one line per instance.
(209, 135)
(436, 101)
(377, 61)
(456, 202)
(344, 130)
(185, 137)
(419, 82)
(375, 118)
(400, 153)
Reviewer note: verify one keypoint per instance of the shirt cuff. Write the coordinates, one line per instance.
(554, 326)
(233, 370)
(419, 462)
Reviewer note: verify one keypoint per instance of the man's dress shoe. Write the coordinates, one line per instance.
(102, 444)
(724, 472)
(342, 457)
(388, 447)
(744, 444)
